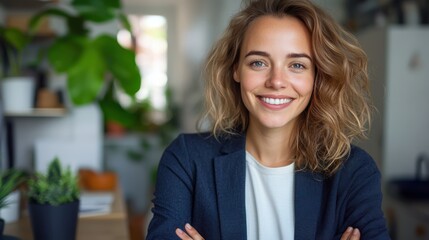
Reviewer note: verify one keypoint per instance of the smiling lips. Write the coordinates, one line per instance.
(276, 101)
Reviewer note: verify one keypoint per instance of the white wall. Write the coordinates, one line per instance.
(76, 138)
(333, 7)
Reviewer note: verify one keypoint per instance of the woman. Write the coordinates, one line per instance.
(287, 92)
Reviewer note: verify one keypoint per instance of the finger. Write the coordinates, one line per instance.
(355, 234)
(182, 235)
(193, 232)
(347, 234)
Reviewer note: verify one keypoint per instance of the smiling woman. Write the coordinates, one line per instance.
(276, 79)
(286, 93)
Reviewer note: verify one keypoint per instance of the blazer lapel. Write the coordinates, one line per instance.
(230, 174)
(308, 199)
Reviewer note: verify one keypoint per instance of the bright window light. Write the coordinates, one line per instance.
(150, 32)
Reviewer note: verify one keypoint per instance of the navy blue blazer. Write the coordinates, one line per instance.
(201, 181)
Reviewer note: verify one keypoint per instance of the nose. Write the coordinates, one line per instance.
(277, 79)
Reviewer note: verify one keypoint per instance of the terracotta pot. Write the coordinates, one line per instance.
(97, 181)
(114, 129)
(47, 99)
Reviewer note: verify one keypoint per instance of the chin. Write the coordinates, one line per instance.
(276, 124)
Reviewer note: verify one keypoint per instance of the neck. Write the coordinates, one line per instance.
(270, 147)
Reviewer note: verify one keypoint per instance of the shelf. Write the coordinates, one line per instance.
(26, 4)
(39, 112)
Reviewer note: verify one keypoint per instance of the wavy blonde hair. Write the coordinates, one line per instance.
(339, 109)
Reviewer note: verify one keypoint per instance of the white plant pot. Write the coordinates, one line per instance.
(10, 213)
(17, 94)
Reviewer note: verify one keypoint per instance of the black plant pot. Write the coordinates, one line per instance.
(2, 222)
(54, 222)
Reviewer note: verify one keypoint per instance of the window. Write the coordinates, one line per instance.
(150, 38)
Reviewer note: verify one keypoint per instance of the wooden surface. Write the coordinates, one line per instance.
(111, 226)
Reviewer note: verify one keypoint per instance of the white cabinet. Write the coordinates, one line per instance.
(399, 75)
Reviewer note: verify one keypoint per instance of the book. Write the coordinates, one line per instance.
(95, 203)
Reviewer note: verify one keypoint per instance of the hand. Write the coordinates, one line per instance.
(190, 234)
(351, 234)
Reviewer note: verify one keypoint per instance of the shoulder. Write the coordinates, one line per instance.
(359, 167)
(359, 160)
(194, 142)
(208, 142)
(196, 147)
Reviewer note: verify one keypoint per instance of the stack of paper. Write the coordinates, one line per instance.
(95, 203)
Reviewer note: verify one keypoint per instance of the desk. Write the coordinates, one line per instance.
(111, 226)
(408, 219)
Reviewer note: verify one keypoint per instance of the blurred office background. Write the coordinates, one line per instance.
(172, 39)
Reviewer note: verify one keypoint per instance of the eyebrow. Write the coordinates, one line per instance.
(259, 53)
(290, 55)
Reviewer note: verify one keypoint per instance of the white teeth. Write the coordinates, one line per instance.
(276, 101)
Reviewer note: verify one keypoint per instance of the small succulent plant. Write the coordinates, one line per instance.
(58, 186)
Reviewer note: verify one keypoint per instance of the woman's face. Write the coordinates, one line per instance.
(275, 71)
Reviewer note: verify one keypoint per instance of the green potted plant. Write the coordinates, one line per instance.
(17, 87)
(9, 181)
(54, 203)
(90, 62)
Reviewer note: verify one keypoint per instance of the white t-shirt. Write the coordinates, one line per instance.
(269, 201)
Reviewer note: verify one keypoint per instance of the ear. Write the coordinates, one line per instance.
(235, 75)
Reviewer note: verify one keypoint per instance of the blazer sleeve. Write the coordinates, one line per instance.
(173, 195)
(363, 198)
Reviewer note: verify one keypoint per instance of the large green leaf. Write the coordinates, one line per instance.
(86, 77)
(75, 24)
(65, 52)
(96, 14)
(124, 21)
(121, 62)
(50, 12)
(113, 111)
(14, 42)
(97, 10)
(97, 3)
(9, 181)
